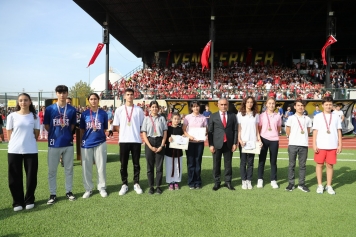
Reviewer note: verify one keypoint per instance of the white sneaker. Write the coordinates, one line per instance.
(18, 208)
(260, 183)
(87, 194)
(244, 184)
(330, 190)
(249, 185)
(138, 189)
(30, 206)
(320, 189)
(274, 184)
(103, 193)
(123, 190)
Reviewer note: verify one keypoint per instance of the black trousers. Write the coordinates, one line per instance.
(246, 165)
(125, 149)
(15, 162)
(272, 146)
(227, 164)
(154, 159)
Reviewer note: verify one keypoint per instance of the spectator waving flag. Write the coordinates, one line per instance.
(205, 56)
(96, 53)
(329, 42)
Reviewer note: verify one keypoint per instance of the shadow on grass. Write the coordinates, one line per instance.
(342, 176)
(283, 175)
(8, 212)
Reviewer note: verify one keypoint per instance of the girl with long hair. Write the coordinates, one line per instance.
(22, 131)
(248, 120)
(93, 125)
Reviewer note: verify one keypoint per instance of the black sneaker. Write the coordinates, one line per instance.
(304, 188)
(151, 191)
(51, 200)
(290, 187)
(70, 196)
(159, 190)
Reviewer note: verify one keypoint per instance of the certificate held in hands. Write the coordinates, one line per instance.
(179, 142)
(198, 133)
(252, 147)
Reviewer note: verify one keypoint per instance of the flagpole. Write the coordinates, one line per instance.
(327, 75)
(89, 77)
(106, 41)
(212, 38)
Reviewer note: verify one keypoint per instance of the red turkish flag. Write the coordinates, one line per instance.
(329, 42)
(205, 56)
(96, 53)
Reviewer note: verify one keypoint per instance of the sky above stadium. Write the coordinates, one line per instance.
(46, 43)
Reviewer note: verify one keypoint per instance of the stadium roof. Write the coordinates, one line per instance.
(158, 25)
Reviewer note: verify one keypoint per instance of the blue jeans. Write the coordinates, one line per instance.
(354, 124)
(194, 158)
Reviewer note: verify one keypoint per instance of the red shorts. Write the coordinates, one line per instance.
(328, 156)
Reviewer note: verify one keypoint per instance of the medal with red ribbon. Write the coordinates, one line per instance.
(127, 115)
(93, 121)
(269, 124)
(300, 125)
(326, 123)
(62, 117)
(153, 125)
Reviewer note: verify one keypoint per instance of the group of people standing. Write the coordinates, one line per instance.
(225, 131)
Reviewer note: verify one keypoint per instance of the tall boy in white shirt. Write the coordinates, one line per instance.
(297, 129)
(327, 143)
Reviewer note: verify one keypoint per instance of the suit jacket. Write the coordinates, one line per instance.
(216, 130)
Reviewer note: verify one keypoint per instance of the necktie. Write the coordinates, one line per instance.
(224, 123)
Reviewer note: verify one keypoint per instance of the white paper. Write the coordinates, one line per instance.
(180, 140)
(176, 138)
(250, 145)
(198, 133)
(255, 150)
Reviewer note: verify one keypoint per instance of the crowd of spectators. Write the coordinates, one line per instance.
(188, 81)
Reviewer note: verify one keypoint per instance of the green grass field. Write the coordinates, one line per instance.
(257, 212)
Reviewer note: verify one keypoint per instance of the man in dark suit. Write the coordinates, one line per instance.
(222, 135)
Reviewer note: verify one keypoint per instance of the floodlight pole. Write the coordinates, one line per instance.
(212, 38)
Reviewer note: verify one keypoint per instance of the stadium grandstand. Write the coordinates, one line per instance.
(261, 48)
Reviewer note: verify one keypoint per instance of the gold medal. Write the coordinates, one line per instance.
(63, 125)
(270, 129)
(302, 132)
(154, 134)
(328, 131)
(94, 129)
(128, 123)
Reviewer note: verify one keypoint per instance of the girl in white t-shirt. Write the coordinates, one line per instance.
(248, 120)
(22, 131)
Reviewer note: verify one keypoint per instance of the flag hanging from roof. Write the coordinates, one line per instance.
(205, 56)
(96, 53)
(329, 42)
